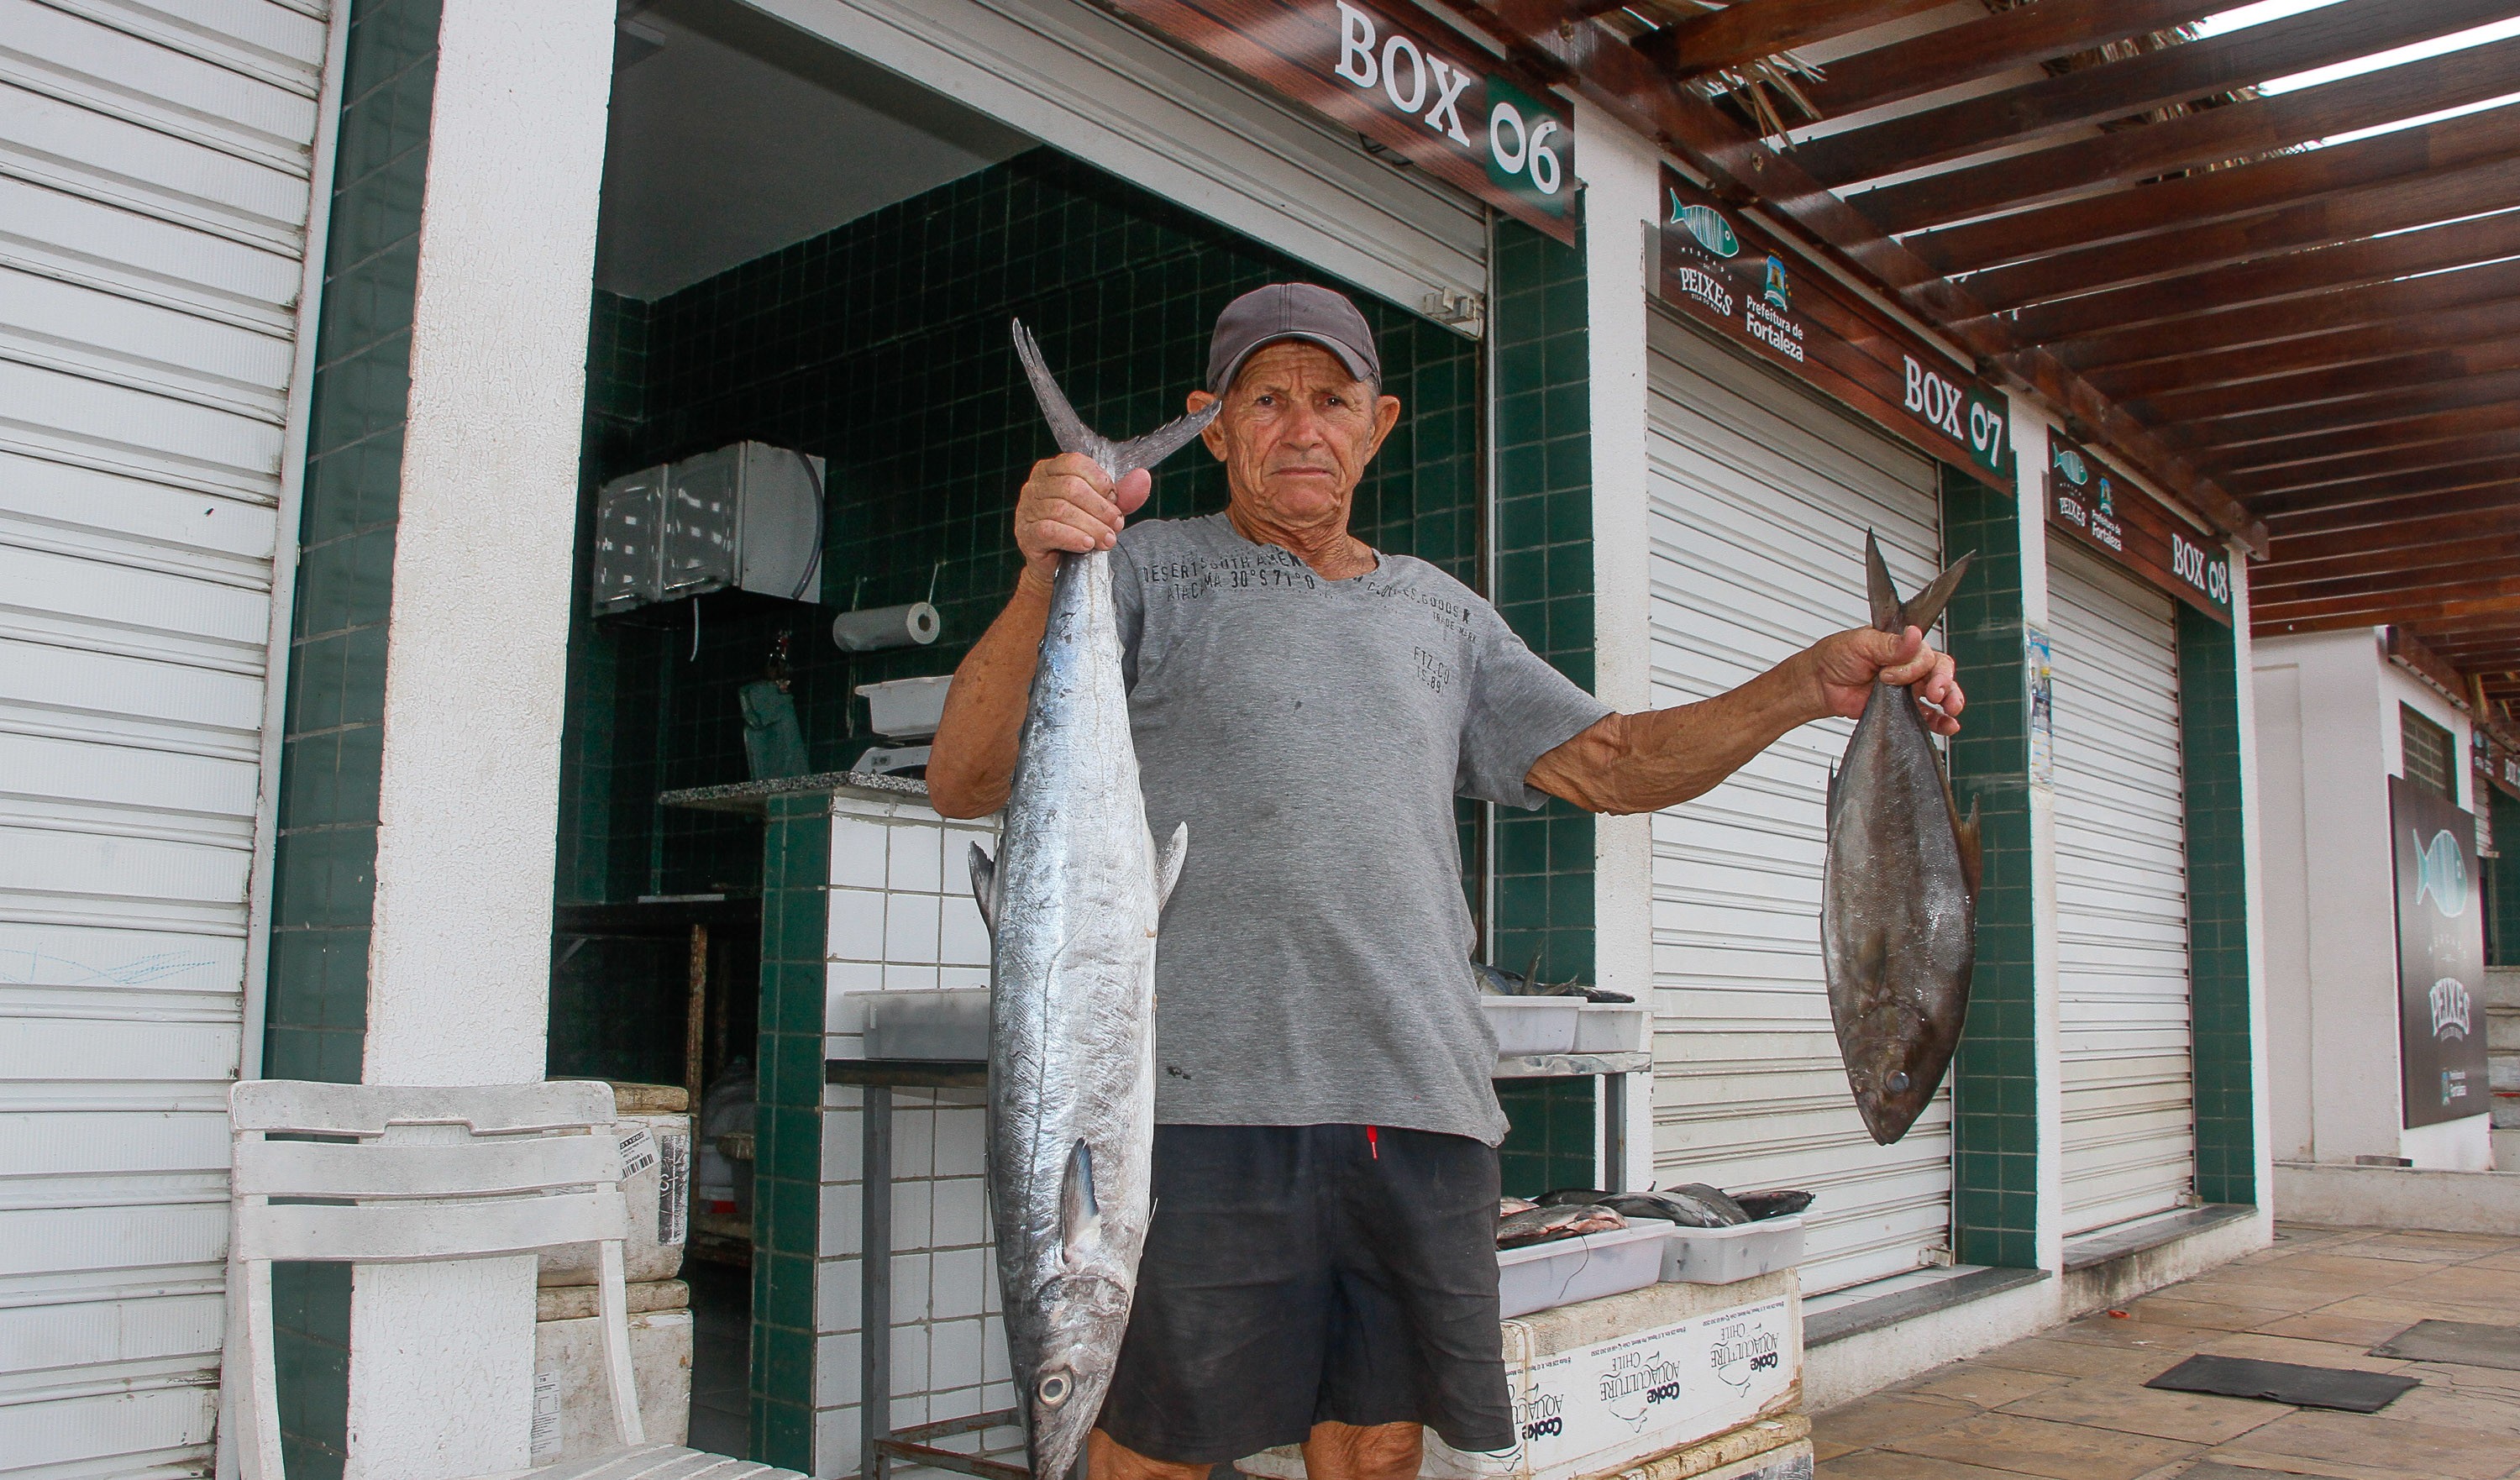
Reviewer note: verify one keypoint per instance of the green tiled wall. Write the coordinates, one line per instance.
(1995, 1162)
(883, 346)
(330, 742)
(2503, 881)
(1543, 457)
(787, 1165)
(2217, 909)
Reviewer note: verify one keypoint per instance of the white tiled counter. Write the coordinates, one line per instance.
(902, 918)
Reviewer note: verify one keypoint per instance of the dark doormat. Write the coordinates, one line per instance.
(2455, 1341)
(2285, 1382)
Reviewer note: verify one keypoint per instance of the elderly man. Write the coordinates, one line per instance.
(1322, 1264)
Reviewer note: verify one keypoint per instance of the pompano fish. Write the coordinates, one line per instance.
(1072, 903)
(1898, 901)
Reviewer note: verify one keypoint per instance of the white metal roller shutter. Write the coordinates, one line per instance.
(2129, 1099)
(1761, 493)
(1099, 89)
(153, 202)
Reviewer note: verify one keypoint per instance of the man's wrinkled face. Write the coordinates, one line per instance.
(1296, 433)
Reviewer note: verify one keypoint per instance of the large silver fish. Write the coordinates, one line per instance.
(1898, 901)
(1072, 902)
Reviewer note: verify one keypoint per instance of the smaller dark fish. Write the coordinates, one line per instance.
(1773, 1202)
(1495, 981)
(1564, 1197)
(1544, 1225)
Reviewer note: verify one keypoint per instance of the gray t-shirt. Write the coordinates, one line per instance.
(1314, 964)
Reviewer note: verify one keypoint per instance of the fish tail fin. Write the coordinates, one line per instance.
(1926, 606)
(1966, 832)
(1168, 865)
(1882, 596)
(1831, 813)
(1162, 442)
(1067, 427)
(1080, 1215)
(984, 886)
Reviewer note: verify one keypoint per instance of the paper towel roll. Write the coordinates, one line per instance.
(913, 626)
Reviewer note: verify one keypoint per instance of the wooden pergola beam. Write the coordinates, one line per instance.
(2333, 385)
(1613, 75)
(2292, 318)
(2486, 556)
(2491, 387)
(2339, 33)
(1992, 44)
(2244, 130)
(2484, 473)
(2414, 201)
(2383, 521)
(2380, 607)
(2352, 264)
(2483, 523)
(2311, 479)
(2441, 328)
(2305, 454)
(1748, 29)
(2287, 180)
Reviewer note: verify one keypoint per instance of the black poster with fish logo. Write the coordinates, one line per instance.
(2441, 957)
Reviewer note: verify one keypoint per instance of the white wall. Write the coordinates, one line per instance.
(2327, 742)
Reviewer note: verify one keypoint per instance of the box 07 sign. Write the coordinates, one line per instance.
(1403, 79)
(1723, 269)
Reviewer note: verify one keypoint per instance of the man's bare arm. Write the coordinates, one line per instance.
(1067, 505)
(1629, 763)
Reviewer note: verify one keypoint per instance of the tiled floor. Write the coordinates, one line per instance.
(2070, 1404)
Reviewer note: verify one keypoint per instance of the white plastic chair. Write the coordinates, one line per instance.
(533, 1171)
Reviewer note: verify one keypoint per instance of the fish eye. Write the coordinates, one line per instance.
(1898, 1081)
(1051, 1390)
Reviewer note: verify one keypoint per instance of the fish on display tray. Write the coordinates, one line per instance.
(1773, 1202)
(1694, 1205)
(1543, 1225)
(1073, 900)
(1495, 981)
(1506, 1207)
(1897, 912)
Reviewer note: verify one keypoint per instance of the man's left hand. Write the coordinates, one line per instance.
(1845, 667)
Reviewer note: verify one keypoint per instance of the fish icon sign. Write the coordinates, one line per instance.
(2441, 873)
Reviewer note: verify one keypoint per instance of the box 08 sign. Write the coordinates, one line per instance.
(2100, 509)
(1722, 269)
(1403, 79)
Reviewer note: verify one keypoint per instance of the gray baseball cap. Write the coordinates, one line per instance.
(1290, 311)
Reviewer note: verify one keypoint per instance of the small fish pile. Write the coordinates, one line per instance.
(1694, 1205)
(1543, 1225)
(1898, 898)
(1496, 982)
(1773, 1202)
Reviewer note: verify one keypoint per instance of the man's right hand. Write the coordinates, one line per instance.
(1070, 505)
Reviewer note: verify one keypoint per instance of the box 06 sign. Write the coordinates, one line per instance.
(1404, 81)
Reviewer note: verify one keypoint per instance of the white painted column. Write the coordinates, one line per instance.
(2261, 1087)
(1622, 192)
(441, 1357)
(2030, 471)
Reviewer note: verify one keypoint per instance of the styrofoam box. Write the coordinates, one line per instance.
(1539, 1275)
(906, 709)
(950, 1023)
(1609, 1027)
(1533, 1024)
(657, 1153)
(1721, 1256)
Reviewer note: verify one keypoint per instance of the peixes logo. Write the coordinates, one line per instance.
(1525, 141)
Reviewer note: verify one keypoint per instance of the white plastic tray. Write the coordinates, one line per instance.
(1533, 1024)
(1721, 1256)
(1609, 1027)
(1540, 1275)
(906, 709)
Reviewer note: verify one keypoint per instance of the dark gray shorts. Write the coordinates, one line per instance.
(1303, 1274)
